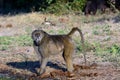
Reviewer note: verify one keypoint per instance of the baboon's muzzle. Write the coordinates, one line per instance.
(36, 43)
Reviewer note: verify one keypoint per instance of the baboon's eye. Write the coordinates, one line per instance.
(37, 34)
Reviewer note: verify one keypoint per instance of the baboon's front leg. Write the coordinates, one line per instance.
(43, 65)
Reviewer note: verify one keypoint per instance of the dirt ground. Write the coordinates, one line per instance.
(14, 65)
(21, 62)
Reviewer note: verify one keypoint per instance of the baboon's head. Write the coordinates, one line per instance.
(37, 36)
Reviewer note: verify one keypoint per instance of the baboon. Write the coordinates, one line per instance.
(46, 45)
(117, 4)
(91, 7)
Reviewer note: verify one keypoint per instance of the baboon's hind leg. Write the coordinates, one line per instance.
(67, 55)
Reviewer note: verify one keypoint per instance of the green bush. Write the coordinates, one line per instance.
(57, 8)
(49, 6)
(78, 5)
(65, 6)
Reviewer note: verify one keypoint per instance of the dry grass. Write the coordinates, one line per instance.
(100, 32)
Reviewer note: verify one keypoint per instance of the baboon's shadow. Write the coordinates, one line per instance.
(32, 65)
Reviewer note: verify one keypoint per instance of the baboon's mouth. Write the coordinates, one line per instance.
(36, 43)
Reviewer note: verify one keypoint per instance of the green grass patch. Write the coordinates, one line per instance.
(102, 30)
(96, 30)
(58, 32)
(114, 49)
(106, 29)
(22, 40)
(62, 32)
(98, 48)
(51, 31)
(88, 46)
(111, 53)
(4, 47)
(6, 40)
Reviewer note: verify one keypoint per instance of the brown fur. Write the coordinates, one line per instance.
(46, 45)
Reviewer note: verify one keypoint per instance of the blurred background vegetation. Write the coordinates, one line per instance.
(53, 6)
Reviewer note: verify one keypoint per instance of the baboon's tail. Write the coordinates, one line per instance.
(74, 30)
(82, 39)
